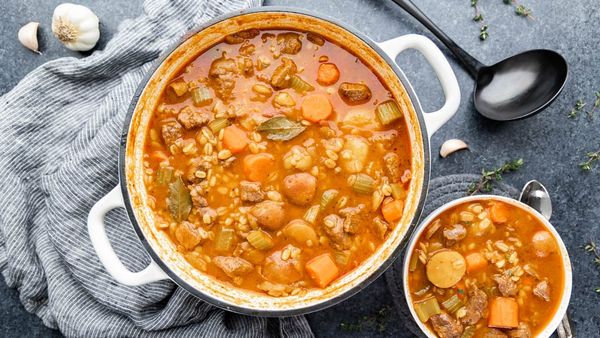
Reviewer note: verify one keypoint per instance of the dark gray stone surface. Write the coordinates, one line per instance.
(551, 144)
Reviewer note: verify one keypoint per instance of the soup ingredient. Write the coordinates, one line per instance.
(446, 268)
(475, 262)
(299, 85)
(300, 231)
(235, 139)
(523, 331)
(446, 326)
(476, 306)
(180, 200)
(354, 93)
(542, 290)
(543, 243)
(233, 266)
(289, 43)
(427, 308)
(452, 304)
(499, 213)
(269, 214)
(76, 26)
(283, 266)
(486, 182)
(201, 95)
(280, 128)
(258, 166)
(322, 269)
(392, 211)
(361, 183)
(451, 146)
(328, 74)
(28, 36)
(316, 107)
(224, 240)
(260, 239)
(591, 158)
(388, 112)
(504, 313)
(299, 188)
(328, 197)
(282, 75)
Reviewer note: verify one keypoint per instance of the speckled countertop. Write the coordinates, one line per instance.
(550, 143)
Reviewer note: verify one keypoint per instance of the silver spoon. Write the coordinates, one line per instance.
(535, 195)
(514, 88)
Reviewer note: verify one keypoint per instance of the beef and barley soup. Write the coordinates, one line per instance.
(486, 269)
(277, 161)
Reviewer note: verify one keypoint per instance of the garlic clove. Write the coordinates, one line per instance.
(76, 26)
(28, 36)
(451, 146)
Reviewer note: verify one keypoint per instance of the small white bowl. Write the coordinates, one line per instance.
(566, 296)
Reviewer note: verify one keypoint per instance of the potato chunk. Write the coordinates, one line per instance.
(446, 268)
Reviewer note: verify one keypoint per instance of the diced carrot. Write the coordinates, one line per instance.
(504, 313)
(328, 74)
(258, 166)
(475, 262)
(234, 139)
(393, 210)
(499, 213)
(316, 107)
(322, 269)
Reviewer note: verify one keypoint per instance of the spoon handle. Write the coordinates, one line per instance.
(468, 62)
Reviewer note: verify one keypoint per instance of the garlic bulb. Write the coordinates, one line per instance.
(28, 36)
(75, 26)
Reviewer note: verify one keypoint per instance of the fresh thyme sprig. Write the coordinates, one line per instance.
(488, 178)
(580, 104)
(593, 249)
(377, 320)
(478, 17)
(520, 9)
(577, 108)
(595, 105)
(593, 156)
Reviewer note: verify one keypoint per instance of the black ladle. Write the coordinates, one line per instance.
(514, 88)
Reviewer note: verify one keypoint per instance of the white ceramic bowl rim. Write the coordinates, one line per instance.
(566, 296)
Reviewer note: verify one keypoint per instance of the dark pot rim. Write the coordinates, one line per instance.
(342, 296)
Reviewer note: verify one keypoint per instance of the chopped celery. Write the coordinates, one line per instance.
(342, 257)
(427, 308)
(328, 197)
(311, 214)
(224, 239)
(414, 260)
(164, 175)
(217, 124)
(201, 95)
(423, 291)
(388, 112)
(299, 85)
(452, 304)
(260, 239)
(362, 183)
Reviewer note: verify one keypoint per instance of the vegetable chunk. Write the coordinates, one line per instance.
(504, 313)
(316, 108)
(322, 270)
(446, 268)
(235, 139)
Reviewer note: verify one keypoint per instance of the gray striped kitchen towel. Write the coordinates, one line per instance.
(59, 136)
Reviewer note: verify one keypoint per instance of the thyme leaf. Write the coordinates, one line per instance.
(591, 158)
(577, 108)
(489, 177)
(520, 9)
(378, 320)
(593, 249)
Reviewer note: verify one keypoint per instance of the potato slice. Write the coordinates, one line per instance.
(446, 268)
(300, 231)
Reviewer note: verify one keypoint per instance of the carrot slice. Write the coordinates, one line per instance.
(504, 313)
(234, 139)
(328, 74)
(257, 167)
(316, 107)
(475, 262)
(499, 213)
(322, 269)
(393, 210)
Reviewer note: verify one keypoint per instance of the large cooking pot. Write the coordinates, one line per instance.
(167, 263)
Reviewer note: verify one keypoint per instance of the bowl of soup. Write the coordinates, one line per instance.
(487, 266)
(274, 162)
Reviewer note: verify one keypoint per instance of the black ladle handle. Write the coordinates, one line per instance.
(469, 63)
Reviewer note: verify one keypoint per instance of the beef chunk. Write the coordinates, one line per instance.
(239, 37)
(197, 170)
(446, 326)
(392, 166)
(316, 39)
(475, 307)
(381, 226)
(245, 66)
(523, 331)
(333, 225)
(506, 285)
(171, 131)
(354, 93)
(542, 290)
(352, 218)
(193, 118)
(282, 75)
(247, 49)
(222, 74)
(494, 333)
(289, 43)
(300, 188)
(269, 214)
(251, 191)
(454, 233)
(188, 236)
(386, 138)
(233, 266)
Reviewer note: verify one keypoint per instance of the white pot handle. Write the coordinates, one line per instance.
(105, 252)
(442, 68)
